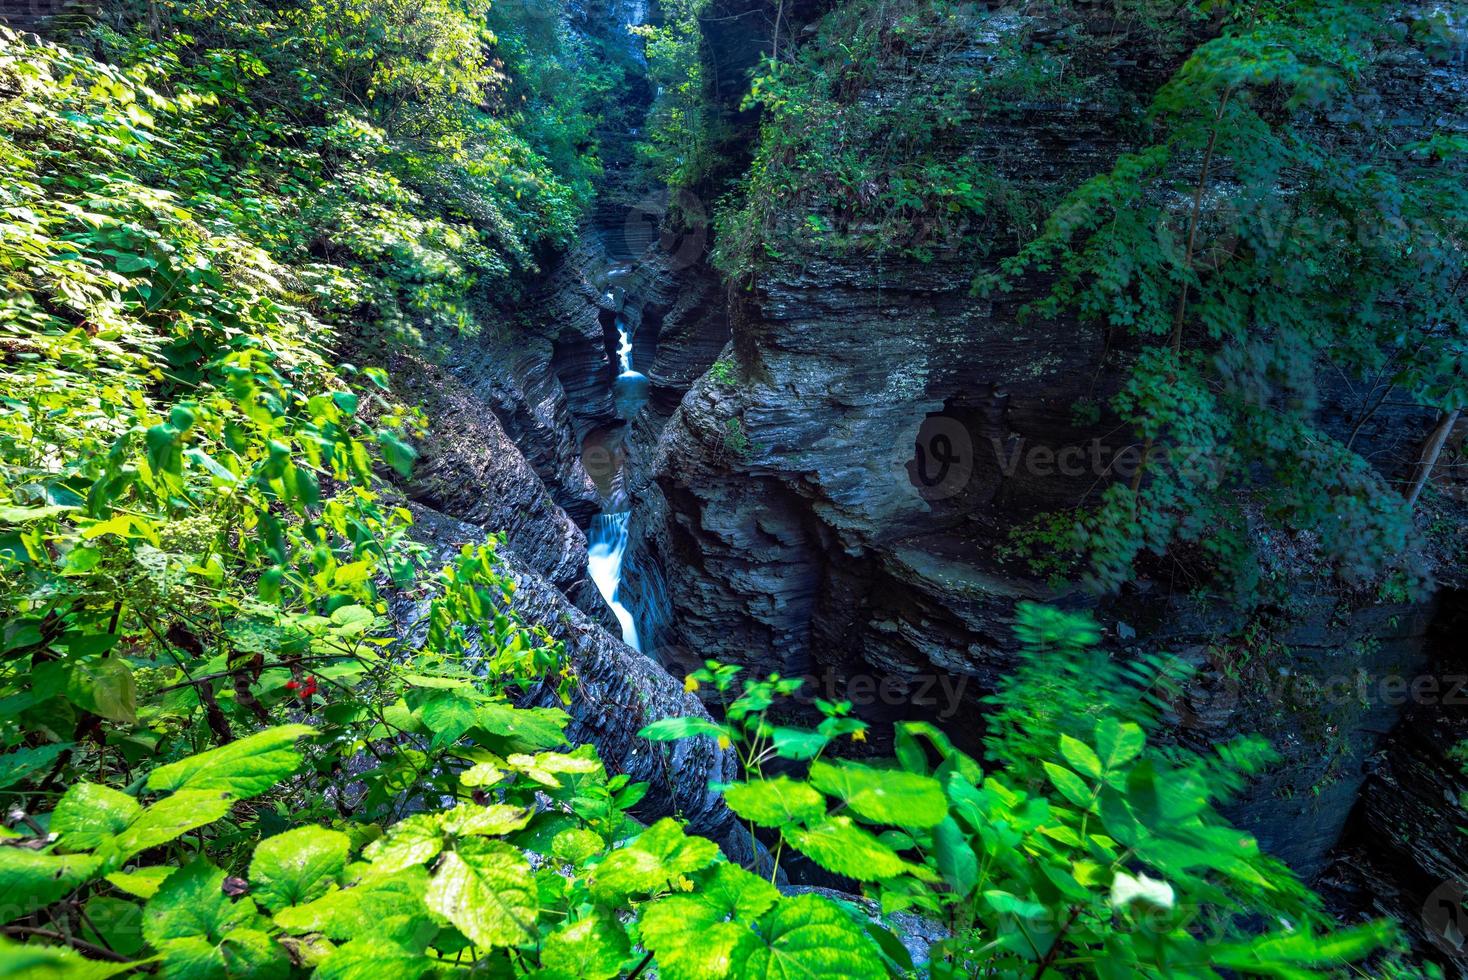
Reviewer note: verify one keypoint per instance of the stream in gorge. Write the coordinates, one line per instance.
(607, 537)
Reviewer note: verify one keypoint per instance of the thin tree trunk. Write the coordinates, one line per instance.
(1431, 450)
(1180, 314)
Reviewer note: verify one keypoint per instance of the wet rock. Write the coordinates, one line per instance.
(469, 467)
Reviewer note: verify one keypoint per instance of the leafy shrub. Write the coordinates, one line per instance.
(1249, 252)
(1083, 849)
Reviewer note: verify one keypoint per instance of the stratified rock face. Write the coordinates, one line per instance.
(839, 504)
(469, 467)
(618, 691)
(798, 527)
(1324, 690)
(1405, 852)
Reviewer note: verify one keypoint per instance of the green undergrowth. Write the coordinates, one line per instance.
(873, 136)
(1262, 239)
(222, 758)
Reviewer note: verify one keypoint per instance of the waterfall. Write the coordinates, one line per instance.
(606, 546)
(606, 541)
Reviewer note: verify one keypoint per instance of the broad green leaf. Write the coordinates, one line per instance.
(383, 905)
(486, 890)
(809, 936)
(104, 687)
(30, 880)
(839, 845)
(297, 866)
(955, 856)
(191, 903)
(399, 455)
(15, 766)
(1080, 756)
(494, 820)
(707, 933)
(249, 954)
(373, 959)
(889, 796)
(1118, 742)
(142, 883)
(778, 802)
(794, 743)
(1071, 786)
(660, 854)
(593, 948)
(523, 729)
(674, 729)
(576, 844)
(1009, 904)
(10, 514)
(89, 813)
(412, 841)
(164, 821)
(245, 768)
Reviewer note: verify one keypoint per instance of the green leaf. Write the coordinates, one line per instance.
(412, 841)
(243, 953)
(168, 819)
(104, 687)
(660, 854)
(485, 888)
(809, 936)
(373, 959)
(888, 796)
(575, 845)
(385, 905)
(10, 514)
(593, 947)
(297, 866)
(30, 880)
(839, 845)
(133, 263)
(15, 766)
(955, 856)
(778, 802)
(674, 729)
(191, 905)
(1007, 904)
(707, 933)
(449, 714)
(89, 813)
(523, 729)
(1080, 756)
(1071, 786)
(494, 820)
(1118, 742)
(399, 455)
(142, 883)
(797, 744)
(245, 768)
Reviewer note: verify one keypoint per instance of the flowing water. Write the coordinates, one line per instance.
(606, 545)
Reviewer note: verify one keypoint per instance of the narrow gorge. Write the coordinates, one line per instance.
(701, 488)
(820, 477)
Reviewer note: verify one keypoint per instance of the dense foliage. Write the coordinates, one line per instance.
(1266, 237)
(1298, 257)
(221, 756)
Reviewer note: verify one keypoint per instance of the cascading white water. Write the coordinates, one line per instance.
(607, 539)
(606, 546)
